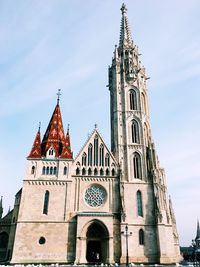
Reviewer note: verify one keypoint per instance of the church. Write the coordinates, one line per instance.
(106, 205)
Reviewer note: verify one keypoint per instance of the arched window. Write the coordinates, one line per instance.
(107, 160)
(46, 202)
(90, 155)
(84, 159)
(43, 170)
(113, 172)
(139, 204)
(133, 100)
(107, 172)
(33, 170)
(47, 170)
(137, 166)
(96, 144)
(77, 171)
(51, 170)
(65, 171)
(141, 237)
(51, 151)
(83, 171)
(89, 171)
(54, 170)
(101, 172)
(101, 158)
(135, 132)
(95, 171)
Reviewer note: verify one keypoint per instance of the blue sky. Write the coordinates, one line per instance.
(46, 45)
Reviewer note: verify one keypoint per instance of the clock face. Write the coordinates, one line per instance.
(95, 195)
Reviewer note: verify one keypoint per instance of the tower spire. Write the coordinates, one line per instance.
(125, 39)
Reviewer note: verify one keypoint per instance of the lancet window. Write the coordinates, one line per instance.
(46, 202)
(141, 237)
(133, 100)
(33, 170)
(84, 159)
(139, 204)
(107, 160)
(101, 158)
(96, 141)
(135, 132)
(90, 155)
(137, 166)
(65, 170)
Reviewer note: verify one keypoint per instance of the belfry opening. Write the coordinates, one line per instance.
(97, 243)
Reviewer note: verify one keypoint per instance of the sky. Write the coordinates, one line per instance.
(51, 44)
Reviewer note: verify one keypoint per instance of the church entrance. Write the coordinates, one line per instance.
(97, 243)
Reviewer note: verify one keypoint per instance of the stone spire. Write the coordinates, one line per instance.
(36, 148)
(125, 39)
(198, 231)
(1, 207)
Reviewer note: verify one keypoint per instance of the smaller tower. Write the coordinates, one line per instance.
(1, 207)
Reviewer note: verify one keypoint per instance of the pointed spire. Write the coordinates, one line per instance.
(1, 207)
(66, 152)
(36, 148)
(55, 137)
(125, 33)
(198, 231)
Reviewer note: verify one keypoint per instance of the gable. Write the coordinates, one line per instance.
(95, 159)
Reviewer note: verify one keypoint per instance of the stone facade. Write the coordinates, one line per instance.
(84, 209)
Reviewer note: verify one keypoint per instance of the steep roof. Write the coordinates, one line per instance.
(54, 138)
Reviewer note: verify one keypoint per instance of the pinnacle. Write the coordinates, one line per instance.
(125, 33)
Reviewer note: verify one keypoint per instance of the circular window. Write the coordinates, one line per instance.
(95, 195)
(42, 240)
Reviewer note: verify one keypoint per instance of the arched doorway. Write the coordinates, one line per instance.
(97, 243)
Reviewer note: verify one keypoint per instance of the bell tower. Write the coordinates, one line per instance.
(145, 207)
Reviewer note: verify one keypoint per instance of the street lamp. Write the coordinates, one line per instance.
(126, 234)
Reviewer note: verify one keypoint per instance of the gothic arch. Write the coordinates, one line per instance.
(135, 131)
(132, 99)
(137, 166)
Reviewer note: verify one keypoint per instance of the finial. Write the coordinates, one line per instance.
(123, 8)
(95, 126)
(68, 128)
(39, 127)
(58, 94)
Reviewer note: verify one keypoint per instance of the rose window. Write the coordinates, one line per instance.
(95, 195)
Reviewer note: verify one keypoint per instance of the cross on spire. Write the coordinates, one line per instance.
(58, 94)
(123, 8)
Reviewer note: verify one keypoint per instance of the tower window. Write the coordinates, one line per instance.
(89, 171)
(51, 170)
(54, 170)
(65, 171)
(51, 151)
(83, 171)
(133, 100)
(77, 171)
(141, 237)
(33, 170)
(139, 204)
(135, 132)
(137, 166)
(101, 172)
(47, 170)
(107, 172)
(43, 170)
(95, 171)
(113, 172)
(46, 202)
